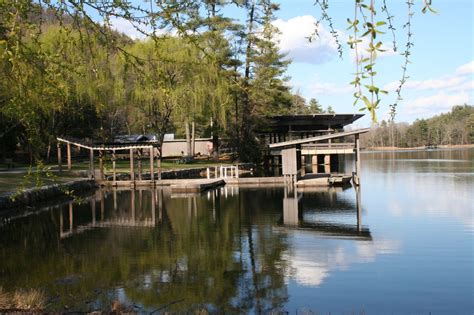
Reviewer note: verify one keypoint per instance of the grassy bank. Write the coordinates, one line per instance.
(18, 178)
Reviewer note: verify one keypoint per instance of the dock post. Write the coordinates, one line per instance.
(114, 171)
(69, 162)
(208, 173)
(101, 164)
(152, 166)
(359, 209)
(158, 164)
(327, 163)
(237, 171)
(60, 166)
(139, 168)
(215, 172)
(132, 171)
(357, 170)
(91, 157)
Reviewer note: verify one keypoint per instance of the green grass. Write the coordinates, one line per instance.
(14, 179)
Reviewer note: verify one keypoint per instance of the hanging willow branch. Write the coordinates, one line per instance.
(364, 81)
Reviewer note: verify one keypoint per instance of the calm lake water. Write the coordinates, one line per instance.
(403, 243)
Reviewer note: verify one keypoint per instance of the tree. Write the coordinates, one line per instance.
(329, 110)
(315, 107)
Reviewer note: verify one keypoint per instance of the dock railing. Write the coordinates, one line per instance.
(231, 171)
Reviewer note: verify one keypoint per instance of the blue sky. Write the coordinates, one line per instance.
(441, 72)
(441, 68)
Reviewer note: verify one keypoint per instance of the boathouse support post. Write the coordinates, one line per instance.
(152, 168)
(327, 163)
(60, 166)
(69, 161)
(357, 160)
(91, 163)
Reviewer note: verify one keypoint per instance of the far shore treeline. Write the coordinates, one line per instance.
(453, 128)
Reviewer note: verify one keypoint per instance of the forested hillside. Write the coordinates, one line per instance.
(453, 128)
(64, 75)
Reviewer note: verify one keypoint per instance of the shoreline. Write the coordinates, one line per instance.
(421, 148)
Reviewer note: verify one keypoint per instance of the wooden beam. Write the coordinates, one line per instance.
(318, 138)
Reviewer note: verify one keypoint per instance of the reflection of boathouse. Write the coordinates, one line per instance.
(321, 212)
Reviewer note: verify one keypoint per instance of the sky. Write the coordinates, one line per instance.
(441, 72)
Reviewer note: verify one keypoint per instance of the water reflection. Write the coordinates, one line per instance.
(318, 204)
(230, 249)
(254, 249)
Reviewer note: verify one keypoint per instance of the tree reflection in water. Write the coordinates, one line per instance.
(223, 250)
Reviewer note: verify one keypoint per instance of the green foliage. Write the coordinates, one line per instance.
(453, 128)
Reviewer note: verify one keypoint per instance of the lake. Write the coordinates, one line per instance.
(402, 243)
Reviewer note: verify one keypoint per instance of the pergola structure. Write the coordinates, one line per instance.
(138, 149)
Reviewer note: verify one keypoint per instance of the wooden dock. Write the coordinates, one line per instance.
(195, 185)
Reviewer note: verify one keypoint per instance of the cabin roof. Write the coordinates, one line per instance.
(293, 143)
(312, 122)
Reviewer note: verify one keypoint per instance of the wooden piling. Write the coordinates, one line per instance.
(132, 170)
(69, 161)
(139, 157)
(91, 163)
(60, 166)
(152, 165)
(357, 166)
(114, 171)
(101, 165)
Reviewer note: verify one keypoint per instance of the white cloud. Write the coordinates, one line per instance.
(294, 40)
(426, 106)
(458, 81)
(135, 31)
(125, 27)
(467, 68)
(318, 87)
